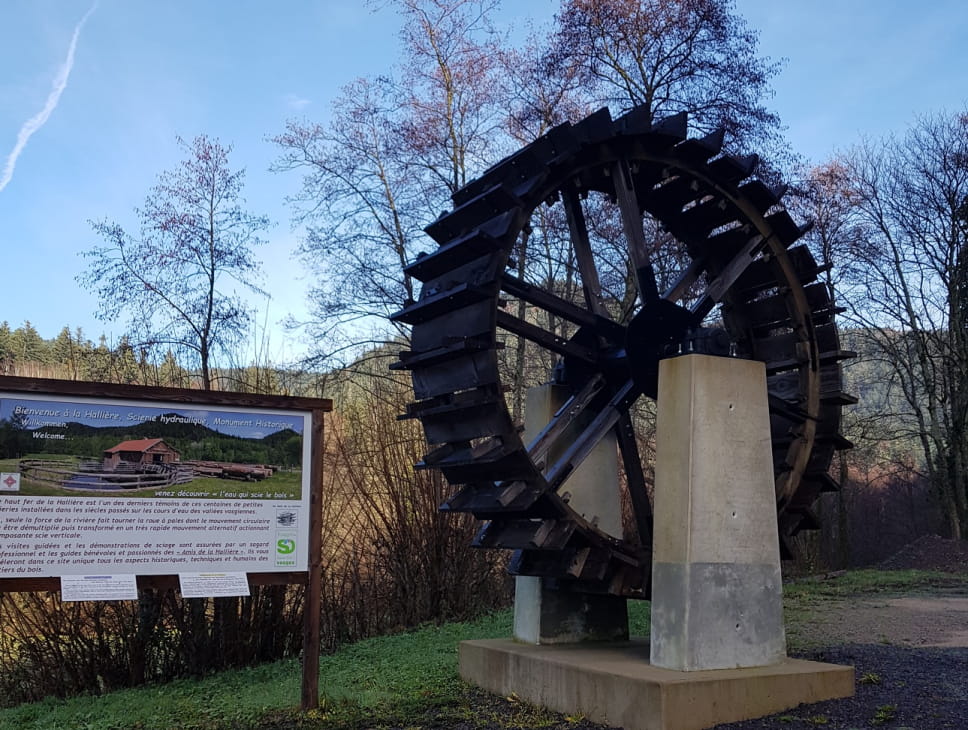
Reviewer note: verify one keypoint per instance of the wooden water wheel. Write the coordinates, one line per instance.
(738, 269)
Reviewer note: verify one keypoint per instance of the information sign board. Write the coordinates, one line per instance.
(105, 486)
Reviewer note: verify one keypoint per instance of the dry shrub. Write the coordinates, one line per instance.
(391, 558)
(52, 648)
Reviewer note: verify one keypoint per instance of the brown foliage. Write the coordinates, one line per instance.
(51, 648)
(391, 558)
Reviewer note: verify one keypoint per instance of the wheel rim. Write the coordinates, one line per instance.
(734, 244)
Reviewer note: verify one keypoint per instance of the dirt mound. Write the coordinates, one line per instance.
(930, 553)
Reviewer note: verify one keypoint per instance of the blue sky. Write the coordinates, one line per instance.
(83, 135)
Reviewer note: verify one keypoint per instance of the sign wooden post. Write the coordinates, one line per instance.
(311, 616)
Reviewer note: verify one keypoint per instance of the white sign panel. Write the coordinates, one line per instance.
(211, 585)
(99, 588)
(91, 487)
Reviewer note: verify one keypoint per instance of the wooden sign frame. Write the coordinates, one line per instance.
(311, 578)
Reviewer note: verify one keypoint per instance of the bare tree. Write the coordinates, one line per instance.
(451, 104)
(385, 166)
(179, 278)
(908, 287)
(357, 206)
(671, 56)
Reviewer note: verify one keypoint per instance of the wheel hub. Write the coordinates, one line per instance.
(657, 331)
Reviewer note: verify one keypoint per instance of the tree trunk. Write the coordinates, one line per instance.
(843, 521)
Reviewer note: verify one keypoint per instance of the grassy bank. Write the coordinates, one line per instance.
(394, 675)
(385, 680)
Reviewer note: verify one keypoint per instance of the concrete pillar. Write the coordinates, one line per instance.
(716, 587)
(543, 615)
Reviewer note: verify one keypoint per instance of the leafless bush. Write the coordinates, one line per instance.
(52, 648)
(391, 558)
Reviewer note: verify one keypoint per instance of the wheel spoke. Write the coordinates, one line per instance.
(727, 277)
(634, 233)
(563, 419)
(591, 285)
(641, 507)
(686, 279)
(611, 331)
(594, 432)
(548, 340)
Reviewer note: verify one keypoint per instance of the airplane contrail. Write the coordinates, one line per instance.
(38, 120)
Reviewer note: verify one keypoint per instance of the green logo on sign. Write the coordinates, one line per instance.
(284, 547)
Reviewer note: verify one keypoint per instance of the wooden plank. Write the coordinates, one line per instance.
(313, 603)
(49, 386)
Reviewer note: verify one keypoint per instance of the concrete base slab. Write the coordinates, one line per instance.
(614, 684)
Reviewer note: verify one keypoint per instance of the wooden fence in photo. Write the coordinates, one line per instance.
(69, 474)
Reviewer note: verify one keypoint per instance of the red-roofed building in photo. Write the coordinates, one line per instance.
(140, 452)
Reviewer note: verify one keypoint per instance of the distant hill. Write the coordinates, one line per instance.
(193, 441)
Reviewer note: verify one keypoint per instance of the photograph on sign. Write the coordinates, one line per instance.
(127, 486)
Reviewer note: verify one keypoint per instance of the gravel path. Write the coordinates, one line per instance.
(922, 621)
(917, 688)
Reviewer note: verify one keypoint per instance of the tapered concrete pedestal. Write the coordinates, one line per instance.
(717, 593)
(547, 616)
(614, 684)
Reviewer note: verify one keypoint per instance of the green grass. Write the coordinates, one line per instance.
(390, 679)
(873, 583)
(388, 676)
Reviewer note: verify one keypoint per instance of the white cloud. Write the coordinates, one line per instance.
(296, 102)
(38, 120)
